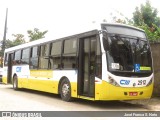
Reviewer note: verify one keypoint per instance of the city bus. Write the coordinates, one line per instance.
(108, 62)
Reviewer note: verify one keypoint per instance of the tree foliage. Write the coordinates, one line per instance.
(122, 19)
(36, 34)
(19, 39)
(146, 14)
(146, 18)
(153, 33)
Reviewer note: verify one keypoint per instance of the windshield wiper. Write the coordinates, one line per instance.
(120, 39)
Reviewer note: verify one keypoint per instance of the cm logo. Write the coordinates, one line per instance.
(18, 69)
(124, 82)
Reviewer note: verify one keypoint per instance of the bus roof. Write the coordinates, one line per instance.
(123, 25)
(41, 41)
(26, 45)
(94, 26)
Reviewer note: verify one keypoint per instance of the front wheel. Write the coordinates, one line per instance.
(65, 90)
(15, 83)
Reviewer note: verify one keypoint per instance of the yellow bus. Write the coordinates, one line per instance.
(109, 62)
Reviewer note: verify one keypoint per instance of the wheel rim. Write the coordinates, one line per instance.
(65, 90)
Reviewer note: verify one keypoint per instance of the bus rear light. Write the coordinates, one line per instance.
(112, 81)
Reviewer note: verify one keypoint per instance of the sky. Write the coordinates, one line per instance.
(62, 16)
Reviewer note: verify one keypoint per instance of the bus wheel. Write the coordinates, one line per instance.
(65, 90)
(15, 82)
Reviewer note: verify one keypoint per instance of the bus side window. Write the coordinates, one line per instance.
(17, 57)
(25, 56)
(34, 58)
(55, 59)
(69, 54)
(44, 56)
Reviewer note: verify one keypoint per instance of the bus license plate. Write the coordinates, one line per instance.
(133, 93)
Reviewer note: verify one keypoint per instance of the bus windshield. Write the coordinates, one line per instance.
(127, 54)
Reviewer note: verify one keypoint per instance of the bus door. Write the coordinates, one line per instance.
(9, 72)
(86, 71)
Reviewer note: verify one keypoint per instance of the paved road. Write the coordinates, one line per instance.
(29, 100)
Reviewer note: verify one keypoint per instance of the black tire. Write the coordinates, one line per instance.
(65, 90)
(15, 82)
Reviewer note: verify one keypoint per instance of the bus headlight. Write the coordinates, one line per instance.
(112, 81)
(150, 82)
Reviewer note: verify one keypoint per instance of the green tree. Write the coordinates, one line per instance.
(19, 39)
(146, 18)
(123, 19)
(146, 14)
(153, 33)
(9, 44)
(36, 34)
(137, 17)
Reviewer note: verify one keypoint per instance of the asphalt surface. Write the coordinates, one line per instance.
(24, 99)
(30, 100)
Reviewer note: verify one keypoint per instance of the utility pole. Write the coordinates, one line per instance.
(4, 37)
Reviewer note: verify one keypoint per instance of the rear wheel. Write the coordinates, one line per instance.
(65, 90)
(15, 82)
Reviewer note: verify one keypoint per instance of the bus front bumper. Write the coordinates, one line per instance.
(106, 91)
